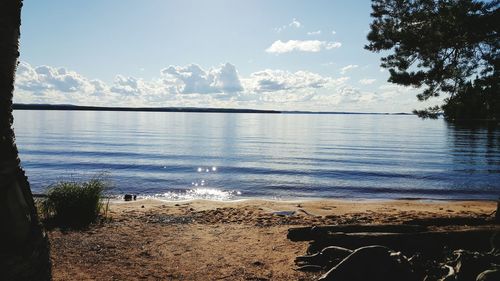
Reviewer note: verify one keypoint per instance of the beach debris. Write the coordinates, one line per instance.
(371, 263)
(441, 250)
(130, 197)
(319, 232)
(468, 265)
(450, 275)
(310, 268)
(324, 259)
(452, 221)
(306, 212)
(495, 243)
(428, 242)
(489, 275)
(284, 213)
(169, 219)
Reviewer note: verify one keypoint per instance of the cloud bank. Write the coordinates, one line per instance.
(218, 86)
(192, 79)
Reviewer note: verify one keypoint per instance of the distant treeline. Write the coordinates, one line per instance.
(21, 106)
(147, 109)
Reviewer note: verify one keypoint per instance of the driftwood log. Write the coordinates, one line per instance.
(426, 242)
(434, 245)
(319, 232)
(452, 221)
(325, 259)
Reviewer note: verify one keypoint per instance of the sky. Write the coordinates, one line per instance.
(261, 54)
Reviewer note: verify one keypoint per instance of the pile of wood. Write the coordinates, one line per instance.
(429, 249)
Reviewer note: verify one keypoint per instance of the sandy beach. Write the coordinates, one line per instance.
(212, 240)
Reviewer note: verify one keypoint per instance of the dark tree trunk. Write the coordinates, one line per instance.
(497, 213)
(24, 249)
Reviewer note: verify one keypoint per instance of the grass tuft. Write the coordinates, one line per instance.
(73, 204)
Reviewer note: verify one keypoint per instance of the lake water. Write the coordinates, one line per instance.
(226, 156)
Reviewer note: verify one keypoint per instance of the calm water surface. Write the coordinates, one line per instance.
(230, 156)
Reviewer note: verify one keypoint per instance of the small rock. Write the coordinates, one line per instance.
(258, 263)
(284, 213)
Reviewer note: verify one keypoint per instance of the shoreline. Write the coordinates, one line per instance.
(309, 199)
(318, 207)
(255, 201)
(154, 201)
(151, 239)
(119, 198)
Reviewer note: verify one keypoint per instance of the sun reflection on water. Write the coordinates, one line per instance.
(200, 189)
(199, 193)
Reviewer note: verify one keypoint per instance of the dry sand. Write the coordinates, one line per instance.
(209, 240)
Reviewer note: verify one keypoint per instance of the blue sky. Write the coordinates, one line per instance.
(292, 55)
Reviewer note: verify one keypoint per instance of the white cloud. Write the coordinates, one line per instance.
(332, 45)
(280, 47)
(130, 86)
(219, 86)
(367, 81)
(226, 79)
(277, 80)
(318, 32)
(295, 23)
(43, 78)
(347, 68)
(334, 32)
(192, 79)
(46, 84)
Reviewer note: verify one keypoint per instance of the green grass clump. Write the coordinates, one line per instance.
(74, 204)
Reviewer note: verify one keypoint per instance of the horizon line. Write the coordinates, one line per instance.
(72, 107)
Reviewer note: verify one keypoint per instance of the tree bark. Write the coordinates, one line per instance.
(24, 249)
(497, 212)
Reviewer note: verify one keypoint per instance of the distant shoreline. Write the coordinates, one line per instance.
(20, 106)
(142, 109)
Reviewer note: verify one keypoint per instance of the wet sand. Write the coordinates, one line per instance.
(213, 240)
